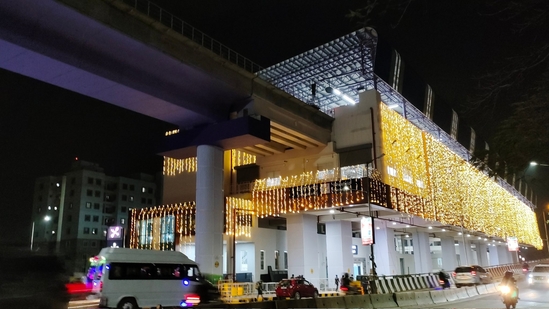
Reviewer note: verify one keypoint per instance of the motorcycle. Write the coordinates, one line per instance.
(350, 290)
(509, 294)
(445, 284)
(444, 280)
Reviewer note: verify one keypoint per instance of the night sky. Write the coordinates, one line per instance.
(43, 128)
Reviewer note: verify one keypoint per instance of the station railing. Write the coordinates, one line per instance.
(166, 18)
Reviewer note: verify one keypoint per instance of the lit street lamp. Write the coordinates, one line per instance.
(46, 219)
(534, 163)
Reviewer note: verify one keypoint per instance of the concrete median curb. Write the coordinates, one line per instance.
(492, 288)
(331, 302)
(383, 301)
(358, 302)
(451, 294)
(438, 297)
(471, 291)
(462, 293)
(296, 303)
(481, 289)
(424, 298)
(406, 299)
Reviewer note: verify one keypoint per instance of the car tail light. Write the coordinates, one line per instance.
(343, 288)
(190, 300)
(524, 270)
(473, 273)
(454, 274)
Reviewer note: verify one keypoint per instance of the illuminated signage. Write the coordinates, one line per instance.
(367, 230)
(512, 244)
(115, 233)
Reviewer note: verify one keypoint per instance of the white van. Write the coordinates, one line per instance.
(133, 278)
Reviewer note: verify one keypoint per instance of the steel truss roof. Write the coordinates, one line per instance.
(347, 63)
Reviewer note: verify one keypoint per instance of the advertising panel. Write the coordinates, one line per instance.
(512, 244)
(367, 231)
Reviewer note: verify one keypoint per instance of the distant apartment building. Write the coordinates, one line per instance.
(71, 213)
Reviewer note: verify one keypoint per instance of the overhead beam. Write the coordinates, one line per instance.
(272, 147)
(289, 137)
(300, 136)
(259, 150)
(252, 151)
(279, 139)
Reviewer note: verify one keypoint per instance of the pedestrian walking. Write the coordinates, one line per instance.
(259, 287)
(337, 282)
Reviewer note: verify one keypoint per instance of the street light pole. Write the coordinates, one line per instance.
(32, 235)
(372, 256)
(368, 199)
(545, 225)
(545, 209)
(46, 238)
(234, 245)
(234, 217)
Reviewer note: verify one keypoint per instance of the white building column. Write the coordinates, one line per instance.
(494, 255)
(449, 258)
(301, 231)
(210, 210)
(339, 241)
(422, 252)
(503, 253)
(465, 253)
(384, 250)
(482, 251)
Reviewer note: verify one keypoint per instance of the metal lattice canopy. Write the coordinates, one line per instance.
(345, 64)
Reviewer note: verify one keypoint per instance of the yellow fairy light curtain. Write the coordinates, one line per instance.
(241, 158)
(239, 214)
(162, 227)
(448, 189)
(174, 167)
(404, 153)
(165, 227)
(171, 132)
(308, 191)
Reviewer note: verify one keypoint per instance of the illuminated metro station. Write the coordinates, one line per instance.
(295, 187)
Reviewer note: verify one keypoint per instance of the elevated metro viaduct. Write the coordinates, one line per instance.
(109, 50)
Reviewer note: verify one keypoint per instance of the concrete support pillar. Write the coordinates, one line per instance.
(465, 253)
(384, 250)
(494, 255)
(514, 256)
(482, 251)
(422, 252)
(301, 231)
(449, 258)
(210, 210)
(472, 254)
(339, 240)
(503, 254)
